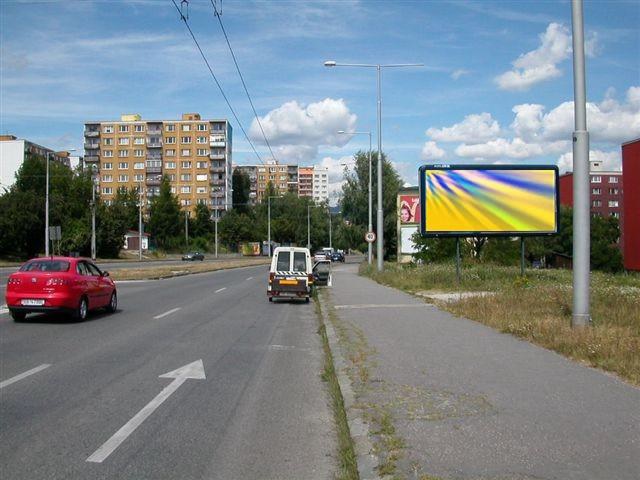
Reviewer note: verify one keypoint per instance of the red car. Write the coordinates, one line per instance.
(59, 284)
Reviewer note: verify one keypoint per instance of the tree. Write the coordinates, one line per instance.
(201, 225)
(234, 228)
(355, 194)
(241, 190)
(164, 216)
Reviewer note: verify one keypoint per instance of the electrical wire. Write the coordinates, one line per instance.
(218, 15)
(186, 23)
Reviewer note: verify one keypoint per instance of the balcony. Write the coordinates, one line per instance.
(154, 142)
(153, 170)
(218, 181)
(154, 131)
(217, 169)
(216, 156)
(92, 133)
(216, 194)
(154, 157)
(91, 146)
(154, 181)
(91, 158)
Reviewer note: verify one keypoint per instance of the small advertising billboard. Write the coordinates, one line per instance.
(408, 222)
(483, 200)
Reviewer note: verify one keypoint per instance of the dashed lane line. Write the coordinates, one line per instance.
(19, 377)
(220, 289)
(173, 310)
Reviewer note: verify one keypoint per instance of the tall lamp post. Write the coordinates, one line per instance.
(93, 211)
(370, 226)
(378, 67)
(309, 226)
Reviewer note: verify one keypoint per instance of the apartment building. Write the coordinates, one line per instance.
(252, 172)
(283, 177)
(194, 153)
(320, 184)
(14, 150)
(305, 182)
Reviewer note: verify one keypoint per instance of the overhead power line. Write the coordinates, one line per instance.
(218, 15)
(213, 75)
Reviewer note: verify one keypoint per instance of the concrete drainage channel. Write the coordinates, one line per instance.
(366, 460)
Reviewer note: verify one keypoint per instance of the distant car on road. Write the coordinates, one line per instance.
(192, 257)
(59, 284)
(320, 255)
(337, 257)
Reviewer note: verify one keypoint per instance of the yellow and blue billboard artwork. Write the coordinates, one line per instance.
(491, 200)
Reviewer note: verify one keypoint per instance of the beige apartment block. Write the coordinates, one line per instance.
(194, 153)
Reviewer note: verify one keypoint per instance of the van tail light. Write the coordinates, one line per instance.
(310, 278)
(57, 282)
(272, 275)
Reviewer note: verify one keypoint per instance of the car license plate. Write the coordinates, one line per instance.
(32, 302)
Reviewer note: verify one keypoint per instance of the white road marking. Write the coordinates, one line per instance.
(17, 378)
(193, 370)
(220, 289)
(173, 310)
(250, 278)
(390, 305)
(120, 282)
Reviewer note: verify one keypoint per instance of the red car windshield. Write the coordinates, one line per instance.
(46, 266)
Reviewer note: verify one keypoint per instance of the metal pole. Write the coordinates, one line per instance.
(216, 232)
(46, 211)
(308, 227)
(522, 256)
(581, 220)
(380, 214)
(458, 259)
(140, 225)
(329, 209)
(93, 217)
(186, 228)
(370, 227)
(269, 224)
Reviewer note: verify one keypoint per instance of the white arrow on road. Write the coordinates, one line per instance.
(193, 370)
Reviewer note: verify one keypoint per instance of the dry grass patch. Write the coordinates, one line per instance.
(538, 308)
(151, 272)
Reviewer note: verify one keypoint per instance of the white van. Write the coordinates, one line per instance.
(291, 274)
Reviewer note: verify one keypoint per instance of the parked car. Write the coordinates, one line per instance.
(337, 257)
(320, 255)
(59, 284)
(193, 256)
(322, 273)
(291, 274)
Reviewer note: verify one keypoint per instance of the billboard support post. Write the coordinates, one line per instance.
(522, 256)
(581, 219)
(458, 259)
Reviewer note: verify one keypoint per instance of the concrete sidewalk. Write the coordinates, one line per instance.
(472, 403)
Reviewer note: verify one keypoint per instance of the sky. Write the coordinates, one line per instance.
(496, 85)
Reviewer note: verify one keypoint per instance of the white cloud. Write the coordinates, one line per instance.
(456, 74)
(431, 151)
(540, 64)
(299, 130)
(500, 147)
(473, 129)
(528, 121)
(611, 161)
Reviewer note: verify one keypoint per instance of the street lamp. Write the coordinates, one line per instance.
(370, 226)
(46, 205)
(378, 67)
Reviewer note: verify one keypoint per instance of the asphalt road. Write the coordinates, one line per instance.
(261, 412)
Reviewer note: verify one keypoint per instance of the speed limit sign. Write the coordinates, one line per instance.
(370, 237)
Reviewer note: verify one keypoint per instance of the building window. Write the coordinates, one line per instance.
(185, 152)
(201, 189)
(202, 201)
(107, 129)
(123, 178)
(185, 139)
(123, 153)
(138, 166)
(123, 165)
(185, 203)
(596, 179)
(170, 140)
(108, 141)
(107, 153)
(172, 178)
(185, 164)
(138, 153)
(107, 166)
(107, 190)
(173, 190)
(185, 189)
(201, 140)
(106, 178)
(613, 191)
(170, 165)
(185, 177)
(138, 141)
(123, 141)
(139, 128)
(202, 127)
(596, 203)
(616, 214)
(123, 128)
(170, 127)
(613, 179)
(170, 153)
(186, 127)
(154, 164)
(138, 177)
(613, 203)
(596, 191)
(203, 152)
(201, 177)
(202, 164)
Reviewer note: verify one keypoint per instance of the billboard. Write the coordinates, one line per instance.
(409, 209)
(470, 200)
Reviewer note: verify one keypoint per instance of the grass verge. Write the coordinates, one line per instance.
(348, 466)
(168, 271)
(538, 308)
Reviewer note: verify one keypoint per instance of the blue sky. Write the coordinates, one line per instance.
(496, 86)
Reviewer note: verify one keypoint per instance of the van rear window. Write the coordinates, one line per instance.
(45, 266)
(299, 262)
(283, 261)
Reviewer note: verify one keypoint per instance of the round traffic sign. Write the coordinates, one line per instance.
(370, 237)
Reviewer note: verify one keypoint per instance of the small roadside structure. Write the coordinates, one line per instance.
(131, 239)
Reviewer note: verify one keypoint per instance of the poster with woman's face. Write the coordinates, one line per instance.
(409, 209)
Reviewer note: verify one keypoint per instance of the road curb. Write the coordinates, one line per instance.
(358, 428)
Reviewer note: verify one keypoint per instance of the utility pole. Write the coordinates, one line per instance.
(140, 223)
(216, 232)
(269, 225)
(186, 228)
(46, 211)
(93, 214)
(581, 219)
(330, 246)
(308, 227)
